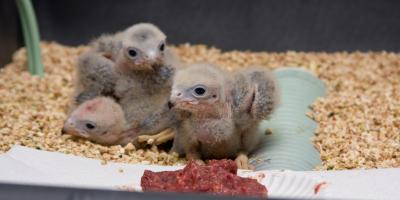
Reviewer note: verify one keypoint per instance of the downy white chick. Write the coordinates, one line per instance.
(100, 119)
(201, 96)
(146, 67)
(141, 46)
(220, 114)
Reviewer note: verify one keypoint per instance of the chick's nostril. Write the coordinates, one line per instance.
(179, 94)
(170, 104)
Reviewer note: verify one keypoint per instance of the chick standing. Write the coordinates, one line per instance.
(137, 47)
(146, 67)
(201, 97)
(220, 113)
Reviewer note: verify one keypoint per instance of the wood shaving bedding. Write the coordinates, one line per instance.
(359, 119)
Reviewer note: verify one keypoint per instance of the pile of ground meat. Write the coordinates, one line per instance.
(217, 177)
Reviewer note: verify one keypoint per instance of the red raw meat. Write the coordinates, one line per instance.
(217, 177)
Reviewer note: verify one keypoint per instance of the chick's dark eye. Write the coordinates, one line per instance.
(90, 126)
(132, 53)
(199, 91)
(162, 47)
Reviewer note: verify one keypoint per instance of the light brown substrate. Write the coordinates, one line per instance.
(359, 120)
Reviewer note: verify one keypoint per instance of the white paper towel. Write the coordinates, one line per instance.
(30, 166)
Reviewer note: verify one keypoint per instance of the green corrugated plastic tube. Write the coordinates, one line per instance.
(31, 36)
(289, 146)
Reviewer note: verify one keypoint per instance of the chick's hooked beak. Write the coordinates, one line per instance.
(71, 129)
(68, 127)
(180, 99)
(154, 57)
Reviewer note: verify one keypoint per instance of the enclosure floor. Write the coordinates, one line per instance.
(359, 120)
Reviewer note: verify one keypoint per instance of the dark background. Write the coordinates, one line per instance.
(30, 192)
(258, 25)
